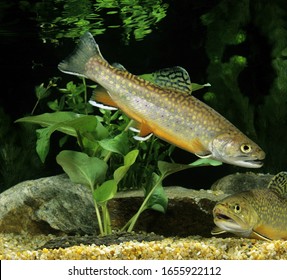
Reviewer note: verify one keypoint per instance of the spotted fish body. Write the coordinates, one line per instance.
(164, 108)
(257, 213)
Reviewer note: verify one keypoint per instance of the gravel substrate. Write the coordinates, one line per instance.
(23, 247)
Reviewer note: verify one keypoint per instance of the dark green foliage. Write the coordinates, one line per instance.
(18, 159)
(262, 118)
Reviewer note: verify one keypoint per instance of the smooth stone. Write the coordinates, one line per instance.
(47, 205)
(239, 182)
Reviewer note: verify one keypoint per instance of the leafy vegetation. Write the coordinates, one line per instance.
(237, 51)
(107, 151)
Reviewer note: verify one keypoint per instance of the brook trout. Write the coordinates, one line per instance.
(165, 108)
(258, 213)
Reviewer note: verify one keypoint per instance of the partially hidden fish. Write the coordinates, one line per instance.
(259, 213)
(164, 107)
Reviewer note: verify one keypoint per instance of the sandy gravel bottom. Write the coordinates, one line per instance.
(24, 247)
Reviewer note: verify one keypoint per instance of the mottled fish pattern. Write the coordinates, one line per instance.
(258, 213)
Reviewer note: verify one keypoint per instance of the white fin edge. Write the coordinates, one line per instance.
(139, 138)
(102, 106)
(134, 129)
(205, 156)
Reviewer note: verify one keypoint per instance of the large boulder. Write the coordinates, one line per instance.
(239, 182)
(47, 205)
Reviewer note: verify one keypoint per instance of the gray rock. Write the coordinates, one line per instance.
(54, 204)
(239, 182)
(47, 205)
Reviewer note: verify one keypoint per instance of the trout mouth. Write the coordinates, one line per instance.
(254, 163)
(226, 222)
(245, 162)
(223, 217)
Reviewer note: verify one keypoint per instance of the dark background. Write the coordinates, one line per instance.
(179, 39)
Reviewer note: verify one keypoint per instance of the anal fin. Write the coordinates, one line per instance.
(102, 99)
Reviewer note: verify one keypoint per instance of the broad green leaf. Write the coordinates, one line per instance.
(81, 168)
(105, 192)
(48, 119)
(158, 200)
(129, 160)
(167, 168)
(69, 123)
(205, 162)
(118, 144)
(43, 142)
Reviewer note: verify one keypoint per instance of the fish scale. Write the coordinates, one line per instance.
(164, 107)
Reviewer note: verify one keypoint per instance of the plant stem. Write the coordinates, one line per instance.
(98, 214)
(85, 95)
(99, 218)
(107, 219)
(33, 110)
(131, 223)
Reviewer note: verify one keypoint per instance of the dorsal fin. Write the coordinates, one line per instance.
(278, 184)
(119, 66)
(175, 78)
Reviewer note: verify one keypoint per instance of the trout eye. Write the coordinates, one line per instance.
(245, 148)
(237, 208)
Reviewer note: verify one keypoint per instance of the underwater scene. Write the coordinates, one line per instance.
(143, 129)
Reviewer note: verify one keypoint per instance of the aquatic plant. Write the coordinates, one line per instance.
(233, 48)
(107, 153)
(18, 159)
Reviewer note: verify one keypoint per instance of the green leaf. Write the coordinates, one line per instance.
(69, 123)
(43, 142)
(167, 168)
(129, 160)
(48, 119)
(118, 144)
(158, 200)
(205, 162)
(105, 192)
(81, 168)
(195, 86)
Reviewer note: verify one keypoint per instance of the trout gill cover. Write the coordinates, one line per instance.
(165, 108)
(258, 213)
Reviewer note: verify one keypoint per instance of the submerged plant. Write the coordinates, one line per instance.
(107, 152)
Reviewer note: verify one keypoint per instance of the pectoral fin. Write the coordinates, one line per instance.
(257, 235)
(203, 155)
(143, 130)
(217, 230)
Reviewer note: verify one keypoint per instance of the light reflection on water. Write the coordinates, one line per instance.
(71, 18)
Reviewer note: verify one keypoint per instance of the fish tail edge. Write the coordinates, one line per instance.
(75, 63)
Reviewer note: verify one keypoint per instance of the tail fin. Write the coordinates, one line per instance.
(75, 63)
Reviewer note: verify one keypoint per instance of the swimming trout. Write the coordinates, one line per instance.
(257, 213)
(165, 108)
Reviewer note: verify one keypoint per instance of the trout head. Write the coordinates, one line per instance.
(237, 149)
(236, 215)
